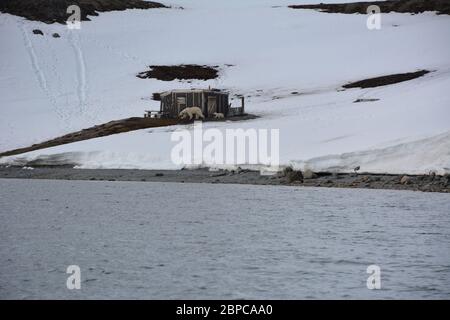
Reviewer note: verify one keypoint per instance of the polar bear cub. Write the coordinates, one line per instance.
(218, 115)
(191, 112)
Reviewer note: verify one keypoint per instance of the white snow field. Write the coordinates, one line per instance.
(49, 87)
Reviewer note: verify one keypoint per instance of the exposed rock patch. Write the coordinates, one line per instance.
(181, 72)
(37, 31)
(50, 11)
(385, 80)
(293, 175)
(114, 127)
(58, 167)
(106, 129)
(156, 96)
(402, 6)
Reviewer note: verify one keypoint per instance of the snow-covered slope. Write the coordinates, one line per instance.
(51, 86)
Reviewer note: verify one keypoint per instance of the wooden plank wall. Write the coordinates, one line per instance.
(169, 103)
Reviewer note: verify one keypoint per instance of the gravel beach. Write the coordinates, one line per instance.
(425, 183)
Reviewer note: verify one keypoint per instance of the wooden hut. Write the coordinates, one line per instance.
(209, 100)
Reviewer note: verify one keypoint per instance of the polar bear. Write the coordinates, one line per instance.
(191, 112)
(218, 115)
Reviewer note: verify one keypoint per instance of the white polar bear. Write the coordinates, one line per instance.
(191, 112)
(218, 115)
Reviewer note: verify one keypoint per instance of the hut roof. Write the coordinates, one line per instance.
(165, 93)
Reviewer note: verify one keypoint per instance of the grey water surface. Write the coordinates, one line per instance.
(150, 240)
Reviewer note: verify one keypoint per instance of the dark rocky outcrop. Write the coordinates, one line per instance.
(385, 80)
(402, 6)
(50, 11)
(60, 166)
(292, 175)
(365, 100)
(180, 72)
(37, 31)
(106, 129)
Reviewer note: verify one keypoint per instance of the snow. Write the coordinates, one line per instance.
(49, 87)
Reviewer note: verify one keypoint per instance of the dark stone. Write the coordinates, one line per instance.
(56, 35)
(402, 6)
(156, 96)
(37, 31)
(405, 180)
(286, 171)
(294, 175)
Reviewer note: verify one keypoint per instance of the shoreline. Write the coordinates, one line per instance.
(424, 183)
